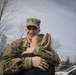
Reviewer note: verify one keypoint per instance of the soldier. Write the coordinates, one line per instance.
(12, 63)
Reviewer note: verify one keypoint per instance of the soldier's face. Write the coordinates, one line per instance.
(31, 31)
(34, 42)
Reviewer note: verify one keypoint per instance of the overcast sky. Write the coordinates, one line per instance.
(58, 17)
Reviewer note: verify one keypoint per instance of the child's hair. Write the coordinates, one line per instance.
(39, 38)
(44, 40)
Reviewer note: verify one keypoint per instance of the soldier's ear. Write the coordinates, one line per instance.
(39, 30)
(25, 29)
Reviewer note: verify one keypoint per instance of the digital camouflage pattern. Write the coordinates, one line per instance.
(33, 22)
(12, 63)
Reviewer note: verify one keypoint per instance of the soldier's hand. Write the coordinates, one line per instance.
(38, 62)
(29, 50)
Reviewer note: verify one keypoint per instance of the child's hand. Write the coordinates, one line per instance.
(29, 50)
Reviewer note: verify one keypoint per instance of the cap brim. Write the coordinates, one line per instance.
(33, 25)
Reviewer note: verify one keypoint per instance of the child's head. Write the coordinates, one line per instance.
(41, 40)
(36, 40)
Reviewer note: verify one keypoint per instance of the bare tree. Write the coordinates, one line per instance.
(75, 61)
(4, 8)
(21, 30)
(3, 5)
(5, 12)
(56, 44)
(67, 61)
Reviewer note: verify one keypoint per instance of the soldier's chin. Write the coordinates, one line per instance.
(30, 37)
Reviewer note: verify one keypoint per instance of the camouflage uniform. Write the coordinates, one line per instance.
(12, 63)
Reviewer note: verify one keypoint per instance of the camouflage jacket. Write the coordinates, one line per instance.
(12, 63)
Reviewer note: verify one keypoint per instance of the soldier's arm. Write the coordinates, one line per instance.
(51, 56)
(10, 61)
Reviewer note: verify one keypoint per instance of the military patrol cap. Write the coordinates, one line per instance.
(33, 22)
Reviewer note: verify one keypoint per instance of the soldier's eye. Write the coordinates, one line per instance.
(31, 28)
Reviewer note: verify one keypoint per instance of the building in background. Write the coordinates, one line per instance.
(3, 40)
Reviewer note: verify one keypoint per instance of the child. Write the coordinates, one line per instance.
(40, 40)
(44, 43)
